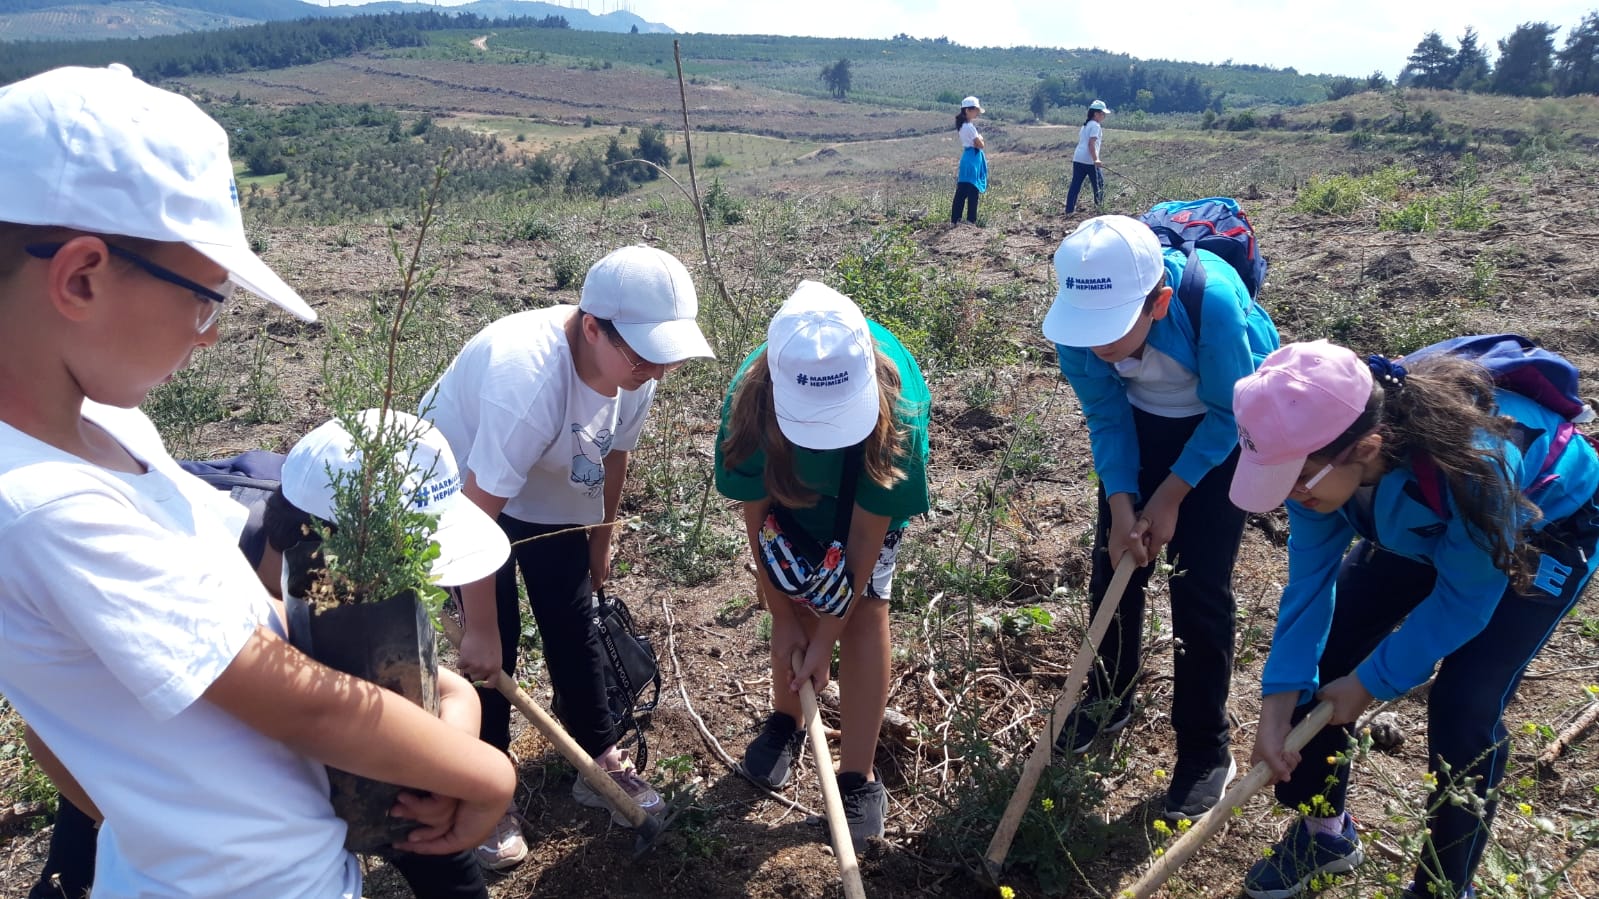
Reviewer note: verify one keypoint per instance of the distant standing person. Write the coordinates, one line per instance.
(1085, 162)
(972, 179)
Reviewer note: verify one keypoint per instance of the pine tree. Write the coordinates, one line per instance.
(1526, 58)
(1431, 64)
(1471, 63)
(837, 78)
(1577, 66)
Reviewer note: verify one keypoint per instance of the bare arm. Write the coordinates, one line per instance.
(600, 536)
(978, 142)
(59, 775)
(866, 533)
(480, 639)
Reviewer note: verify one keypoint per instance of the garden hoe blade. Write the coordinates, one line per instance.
(1189, 843)
(999, 847)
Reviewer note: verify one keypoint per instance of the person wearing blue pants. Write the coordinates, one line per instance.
(1470, 582)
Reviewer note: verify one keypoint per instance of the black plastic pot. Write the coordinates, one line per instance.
(390, 643)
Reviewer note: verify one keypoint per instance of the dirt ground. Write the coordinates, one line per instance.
(956, 665)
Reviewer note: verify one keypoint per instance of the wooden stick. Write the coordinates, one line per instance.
(999, 846)
(843, 845)
(595, 776)
(1557, 747)
(1189, 843)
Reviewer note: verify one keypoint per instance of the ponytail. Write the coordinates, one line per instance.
(960, 118)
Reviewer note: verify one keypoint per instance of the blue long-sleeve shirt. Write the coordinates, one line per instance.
(1235, 336)
(1468, 587)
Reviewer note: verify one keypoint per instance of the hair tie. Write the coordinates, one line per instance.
(1390, 373)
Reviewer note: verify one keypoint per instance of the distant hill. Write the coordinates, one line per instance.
(91, 19)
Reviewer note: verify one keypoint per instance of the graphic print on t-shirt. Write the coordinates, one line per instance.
(588, 463)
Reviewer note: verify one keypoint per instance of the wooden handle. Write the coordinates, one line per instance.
(843, 845)
(1259, 775)
(592, 774)
(999, 846)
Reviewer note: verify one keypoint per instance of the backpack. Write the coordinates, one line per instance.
(250, 478)
(1216, 224)
(1518, 365)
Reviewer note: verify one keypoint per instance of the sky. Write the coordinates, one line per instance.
(1337, 37)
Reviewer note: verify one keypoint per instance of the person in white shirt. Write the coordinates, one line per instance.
(542, 409)
(972, 176)
(135, 639)
(1086, 163)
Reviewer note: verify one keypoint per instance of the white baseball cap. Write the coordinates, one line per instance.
(823, 363)
(98, 150)
(471, 545)
(1105, 269)
(971, 103)
(649, 296)
(1099, 106)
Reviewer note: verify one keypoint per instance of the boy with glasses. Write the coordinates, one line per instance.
(134, 637)
(542, 408)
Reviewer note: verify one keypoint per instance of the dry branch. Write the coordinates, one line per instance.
(1558, 746)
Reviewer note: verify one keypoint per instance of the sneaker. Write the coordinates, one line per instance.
(1196, 787)
(504, 848)
(1090, 719)
(865, 807)
(1295, 860)
(769, 758)
(628, 779)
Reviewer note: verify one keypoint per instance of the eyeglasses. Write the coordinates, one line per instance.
(637, 363)
(211, 299)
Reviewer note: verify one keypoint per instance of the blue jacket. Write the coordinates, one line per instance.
(1467, 590)
(1237, 334)
(974, 170)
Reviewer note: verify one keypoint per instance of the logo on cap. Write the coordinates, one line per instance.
(800, 379)
(834, 380)
(1088, 284)
(1243, 437)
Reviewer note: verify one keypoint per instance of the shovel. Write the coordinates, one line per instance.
(999, 847)
(1186, 845)
(647, 826)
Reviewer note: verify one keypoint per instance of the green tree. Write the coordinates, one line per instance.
(1471, 63)
(1431, 64)
(1526, 59)
(652, 148)
(836, 76)
(1577, 66)
(1377, 81)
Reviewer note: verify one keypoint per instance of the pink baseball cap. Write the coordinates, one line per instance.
(1300, 399)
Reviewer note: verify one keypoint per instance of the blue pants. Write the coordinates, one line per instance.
(1081, 170)
(966, 195)
(1465, 710)
(1203, 549)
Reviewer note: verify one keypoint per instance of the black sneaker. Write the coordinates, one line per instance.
(1196, 786)
(865, 807)
(1090, 719)
(770, 756)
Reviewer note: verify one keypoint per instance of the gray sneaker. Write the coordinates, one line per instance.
(865, 807)
(769, 759)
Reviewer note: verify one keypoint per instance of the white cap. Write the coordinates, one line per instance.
(1105, 269)
(471, 545)
(823, 363)
(1099, 106)
(649, 296)
(98, 150)
(971, 103)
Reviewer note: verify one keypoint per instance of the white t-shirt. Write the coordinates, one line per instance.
(1090, 131)
(520, 419)
(969, 135)
(122, 599)
(1159, 386)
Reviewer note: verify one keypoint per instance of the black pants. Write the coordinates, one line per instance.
(1080, 171)
(72, 852)
(553, 567)
(966, 194)
(1465, 710)
(1202, 552)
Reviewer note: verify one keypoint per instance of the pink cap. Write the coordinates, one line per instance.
(1301, 399)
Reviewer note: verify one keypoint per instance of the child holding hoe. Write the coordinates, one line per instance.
(824, 439)
(1156, 388)
(1475, 527)
(134, 637)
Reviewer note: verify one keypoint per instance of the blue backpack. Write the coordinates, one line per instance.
(1520, 366)
(250, 478)
(1216, 224)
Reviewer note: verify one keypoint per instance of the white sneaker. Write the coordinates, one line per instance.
(504, 848)
(628, 779)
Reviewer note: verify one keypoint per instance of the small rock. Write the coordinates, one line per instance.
(1386, 731)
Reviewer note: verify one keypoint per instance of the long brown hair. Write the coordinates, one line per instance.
(1437, 410)
(752, 425)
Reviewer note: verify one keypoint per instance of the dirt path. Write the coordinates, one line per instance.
(482, 42)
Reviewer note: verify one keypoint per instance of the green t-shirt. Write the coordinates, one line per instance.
(820, 469)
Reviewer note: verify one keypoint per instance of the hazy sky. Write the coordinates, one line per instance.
(1346, 37)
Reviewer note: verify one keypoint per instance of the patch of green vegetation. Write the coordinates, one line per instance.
(1344, 194)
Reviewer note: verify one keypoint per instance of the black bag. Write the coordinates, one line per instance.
(632, 670)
